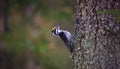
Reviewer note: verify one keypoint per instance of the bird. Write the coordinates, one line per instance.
(65, 36)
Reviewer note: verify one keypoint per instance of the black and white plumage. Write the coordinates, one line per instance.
(65, 36)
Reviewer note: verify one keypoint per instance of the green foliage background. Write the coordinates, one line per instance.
(30, 38)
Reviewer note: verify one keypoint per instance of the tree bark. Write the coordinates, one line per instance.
(97, 37)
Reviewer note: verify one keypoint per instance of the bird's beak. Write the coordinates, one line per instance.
(53, 28)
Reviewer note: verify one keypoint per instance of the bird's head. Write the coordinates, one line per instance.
(56, 30)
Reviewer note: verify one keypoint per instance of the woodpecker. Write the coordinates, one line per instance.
(65, 36)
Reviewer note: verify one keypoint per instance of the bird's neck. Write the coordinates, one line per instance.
(59, 31)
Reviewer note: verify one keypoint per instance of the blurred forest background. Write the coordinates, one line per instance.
(26, 41)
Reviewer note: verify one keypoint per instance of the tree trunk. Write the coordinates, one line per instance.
(1, 17)
(97, 37)
(6, 16)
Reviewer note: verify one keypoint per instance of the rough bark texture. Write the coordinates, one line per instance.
(97, 37)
